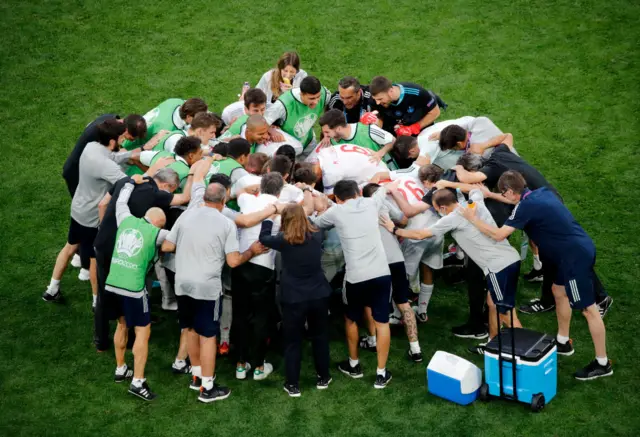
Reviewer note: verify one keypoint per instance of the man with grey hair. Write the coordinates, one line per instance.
(353, 99)
(204, 240)
(253, 286)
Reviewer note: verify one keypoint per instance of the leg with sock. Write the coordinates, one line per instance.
(426, 290)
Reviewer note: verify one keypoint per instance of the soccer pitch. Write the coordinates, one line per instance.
(561, 76)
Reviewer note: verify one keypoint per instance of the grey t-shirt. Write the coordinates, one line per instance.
(203, 237)
(490, 255)
(389, 241)
(98, 172)
(358, 228)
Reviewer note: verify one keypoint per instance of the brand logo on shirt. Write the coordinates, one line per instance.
(410, 109)
(129, 243)
(398, 113)
(215, 168)
(304, 124)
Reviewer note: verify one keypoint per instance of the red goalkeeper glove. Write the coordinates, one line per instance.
(369, 117)
(412, 129)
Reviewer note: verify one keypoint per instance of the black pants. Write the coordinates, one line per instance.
(316, 313)
(549, 270)
(103, 304)
(253, 292)
(476, 292)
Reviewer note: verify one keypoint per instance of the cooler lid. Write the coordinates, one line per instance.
(530, 345)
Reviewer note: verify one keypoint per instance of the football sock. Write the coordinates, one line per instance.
(371, 340)
(207, 382)
(179, 364)
(424, 297)
(353, 363)
(602, 360)
(381, 371)
(95, 300)
(196, 371)
(562, 339)
(121, 370)
(54, 286)
(537, 265)
(137, 382)
(414, 346)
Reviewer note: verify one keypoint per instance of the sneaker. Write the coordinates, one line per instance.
(241, 372)
(382, 380)
(594, 371)
(604, 306)
(83, 275)
(143, 392)
(76, 262)
(215, 393)
(363, 344)
(323, 383)
(452, 261)
(354, 372)
(292, 390)
(47, 297)
(415, 357)
(184, 370)
(394, 320)
(420, 317)
(196, 383)
(128, 374)
(565, 349)
(259, 375)
(477, 349)
(535, 275)
(469, 331)
(223, 349)
(169, 305)
(536, 306)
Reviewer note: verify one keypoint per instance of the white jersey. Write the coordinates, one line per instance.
(233, 111)
(346, 161)
(270, 147)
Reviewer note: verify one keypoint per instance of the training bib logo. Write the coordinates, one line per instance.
(304, 124)
(129, 243)
(214, 169)
(151, 115)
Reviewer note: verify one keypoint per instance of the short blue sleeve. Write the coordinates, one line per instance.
(520, 216)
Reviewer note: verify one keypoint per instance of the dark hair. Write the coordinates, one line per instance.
(379, 84)
(444, 197)
(288, 151)
(271, 183)
(256, 162)
(430, 173)
(287, 58)
(136, 125)
(254, 96)
(451, 136)
(221, 149)
(369, 189)
(348, 82)
(295, 224)
(110, 130)
(305, 174)
(192, 107)
(205, 120)
(221, 179)
(310, 85)
(238, 147)
(281, 164)
(345, 190)
(470, 161)
(186, 145)
(333, 118)
(512, 180)
(404, 144)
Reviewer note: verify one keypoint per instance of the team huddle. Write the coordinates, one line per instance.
(249, 222)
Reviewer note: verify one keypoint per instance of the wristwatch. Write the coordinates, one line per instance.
(306, 189)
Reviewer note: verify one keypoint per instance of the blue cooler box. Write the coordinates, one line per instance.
(453, 378)
(536, 365)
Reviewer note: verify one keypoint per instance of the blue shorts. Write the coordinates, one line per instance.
(503, 286)
(399, 283)
(135, 310)
(203, 316)
(579, 281)
(374, 293)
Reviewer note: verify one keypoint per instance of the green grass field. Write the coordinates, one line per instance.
(561, 76)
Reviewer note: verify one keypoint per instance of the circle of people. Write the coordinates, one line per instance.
(246, 219)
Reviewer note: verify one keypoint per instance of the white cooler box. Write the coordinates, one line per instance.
(453, 378)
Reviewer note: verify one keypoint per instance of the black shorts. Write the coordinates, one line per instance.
(136, 310)
(399, 283)
(374, 293)
(203, 316)
(83, 237)
(503, 286)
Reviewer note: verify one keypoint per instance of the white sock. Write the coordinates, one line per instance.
(137, 382)
(207, 382)
(121, 370)
(602, 360)
(353, 363)
(196, 371)
(424, 297)
(54, 286)
(95, 299)
(414, 346)
(537, 264)
(381, 372)
(178, 364)
(372, 340)
(562, 339)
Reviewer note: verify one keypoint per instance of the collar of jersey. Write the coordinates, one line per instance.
(177, 121)
(180, 158)
(401, 94)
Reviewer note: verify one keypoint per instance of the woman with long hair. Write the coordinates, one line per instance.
(285, 76)
(304, 293)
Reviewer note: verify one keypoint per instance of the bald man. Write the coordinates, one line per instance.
(135, 250)
(255, 129)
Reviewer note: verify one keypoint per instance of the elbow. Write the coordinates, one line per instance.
(233, 263)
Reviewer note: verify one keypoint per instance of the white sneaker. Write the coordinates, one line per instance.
(259, 375)
(76, 262)
(394, 320)
(241, 372)
(169, 305)
(83, 275)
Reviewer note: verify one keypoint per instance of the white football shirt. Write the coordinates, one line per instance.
(347, 161)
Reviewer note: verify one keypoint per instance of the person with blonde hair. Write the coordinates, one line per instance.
(304, 294)
(285, 76)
